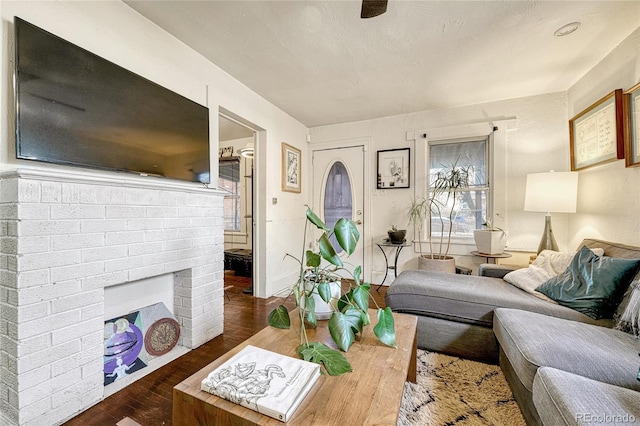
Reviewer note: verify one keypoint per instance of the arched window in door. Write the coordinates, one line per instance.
(338, 200)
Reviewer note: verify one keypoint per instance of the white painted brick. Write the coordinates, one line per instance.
(48, 292)
(104, 253)
(124, 237)
(46, 389)
(105, 280)
(9, 345)
(176, 223)
(34, 377)
(146, 272)
(9, 190)
(94, 368)
(178, 265)
(95, 341)
(38, 359)
(72, 363)
(124, 264)
(76, 301)
(92, 311)
(145, 248)
(51, 192)
(34, 311)
(34, 344)
(53, 322)
(33, 261)
(142, 197)
(33, 211)
(8, 245)
(54, 227)
(12, 228)
(161, 212)
(161, 235)
(70, 193)
(177, 245)
(102, 225)
(72, 242)
(144, 224)
(35, 244)
(77, 211)
(74, 392)
(160, 257)
(33, 278)
(77, 271)
(8, 211)
(168, 198)
(118, 212)
(75, 331)
(28, 191)
(97, 194)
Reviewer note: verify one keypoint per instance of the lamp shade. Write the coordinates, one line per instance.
(551, 192)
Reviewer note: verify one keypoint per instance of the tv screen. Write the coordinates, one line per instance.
(74, 107)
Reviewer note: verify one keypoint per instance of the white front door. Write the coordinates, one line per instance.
(338, 191)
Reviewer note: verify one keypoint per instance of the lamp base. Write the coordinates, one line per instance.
(548, 242)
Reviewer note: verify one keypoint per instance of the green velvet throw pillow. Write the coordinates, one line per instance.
(592, 284)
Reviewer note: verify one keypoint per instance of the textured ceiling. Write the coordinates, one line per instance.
(322, 64)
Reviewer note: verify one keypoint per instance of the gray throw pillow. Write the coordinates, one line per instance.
(592, 284)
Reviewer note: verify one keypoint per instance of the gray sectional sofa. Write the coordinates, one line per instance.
(564, 367)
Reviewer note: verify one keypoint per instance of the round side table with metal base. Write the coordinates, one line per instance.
(491, 258)
(394, 267)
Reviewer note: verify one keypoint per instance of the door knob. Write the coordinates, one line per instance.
(358, 222)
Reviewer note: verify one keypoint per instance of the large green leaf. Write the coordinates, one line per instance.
(360, 296)
(385, 329)
(345, 300)
(346, 234)
(327, 251)
(279, 317)
(313, 218)
(324, 290)
(343, 326)
(334, 362)
(310, 309)
(313, 259)
(357, 272)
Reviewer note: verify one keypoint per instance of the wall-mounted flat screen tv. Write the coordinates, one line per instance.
(76, 108)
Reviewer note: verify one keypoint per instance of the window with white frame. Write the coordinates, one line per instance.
(465, 209)
(229, 181)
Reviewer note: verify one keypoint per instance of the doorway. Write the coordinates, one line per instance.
(339, 189)
(236, 180)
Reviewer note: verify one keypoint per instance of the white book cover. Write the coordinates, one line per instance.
(267, 382)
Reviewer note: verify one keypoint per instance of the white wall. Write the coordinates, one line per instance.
(538, 141)
(114, 31)
(609, 194)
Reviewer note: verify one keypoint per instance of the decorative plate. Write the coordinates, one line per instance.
(162, 336)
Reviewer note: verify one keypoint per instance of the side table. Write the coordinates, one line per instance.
(491, 258)
(394, 267)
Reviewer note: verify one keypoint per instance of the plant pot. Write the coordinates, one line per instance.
(437, 264)
(490, 242)
(397, 237)
(323, 309)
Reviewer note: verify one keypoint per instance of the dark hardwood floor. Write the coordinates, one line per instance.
(148, 401)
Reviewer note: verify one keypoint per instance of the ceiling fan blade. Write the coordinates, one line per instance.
(372, 8)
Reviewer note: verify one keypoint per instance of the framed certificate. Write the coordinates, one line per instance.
(596, 135)
(632, 126)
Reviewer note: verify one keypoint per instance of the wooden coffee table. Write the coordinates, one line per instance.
(369, 395)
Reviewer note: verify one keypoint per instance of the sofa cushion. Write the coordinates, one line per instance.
(467, 298)
(563, 398)
(592, 284)
(531, 340)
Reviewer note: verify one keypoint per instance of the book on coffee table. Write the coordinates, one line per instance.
(267, 382)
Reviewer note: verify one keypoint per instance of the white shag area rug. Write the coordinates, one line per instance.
(456, 391)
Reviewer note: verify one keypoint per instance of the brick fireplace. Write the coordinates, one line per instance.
(64, 238)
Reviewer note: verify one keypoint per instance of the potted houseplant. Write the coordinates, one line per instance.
(441, 208)
(350, 314)
(490, 239)
(396, 236)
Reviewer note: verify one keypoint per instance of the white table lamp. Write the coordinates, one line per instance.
(551, 192)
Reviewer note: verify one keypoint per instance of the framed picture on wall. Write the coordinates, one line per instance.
(393, 168)
(631, 106)
(291, 168)
(596, 135)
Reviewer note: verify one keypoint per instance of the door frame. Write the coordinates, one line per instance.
(365, 143)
